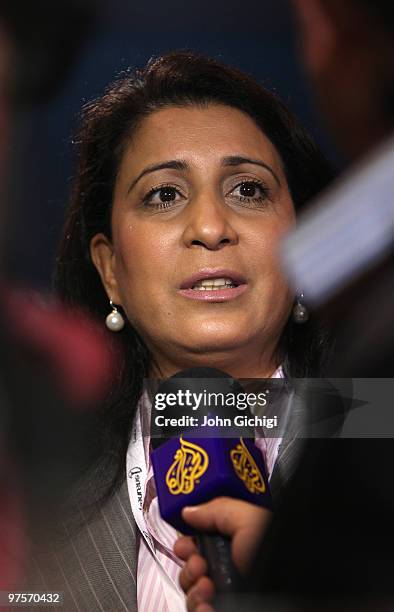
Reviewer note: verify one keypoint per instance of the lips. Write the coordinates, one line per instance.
(205, 286)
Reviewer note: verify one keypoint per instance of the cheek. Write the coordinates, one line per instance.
(266, 240)
(143, 256)
(273, 290)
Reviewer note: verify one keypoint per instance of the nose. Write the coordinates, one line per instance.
(209, 224)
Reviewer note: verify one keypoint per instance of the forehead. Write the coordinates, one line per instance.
(198, 132)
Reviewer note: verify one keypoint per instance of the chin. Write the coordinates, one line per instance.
(208, 344)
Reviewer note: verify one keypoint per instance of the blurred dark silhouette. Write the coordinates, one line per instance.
(47, 38)
(330, 545)
(55, 367)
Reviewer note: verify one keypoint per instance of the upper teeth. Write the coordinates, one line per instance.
(212, 284)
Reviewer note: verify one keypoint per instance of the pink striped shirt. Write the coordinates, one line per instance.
(153, 594)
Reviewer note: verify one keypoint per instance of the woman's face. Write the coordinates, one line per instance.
(199, 206)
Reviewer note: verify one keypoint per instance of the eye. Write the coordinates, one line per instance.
(250, 192)
(162, 197)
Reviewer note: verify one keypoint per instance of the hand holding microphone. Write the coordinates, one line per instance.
(242, 522)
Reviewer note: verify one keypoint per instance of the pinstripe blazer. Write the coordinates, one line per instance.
(94, 564)
(96, 567)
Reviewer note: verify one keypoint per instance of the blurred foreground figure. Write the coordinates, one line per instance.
(330, 544)
(53, 364)
(342, 254)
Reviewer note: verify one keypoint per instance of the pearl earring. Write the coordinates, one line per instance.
(300, 311)
(114, 321)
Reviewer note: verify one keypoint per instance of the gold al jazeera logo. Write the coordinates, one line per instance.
(246, 468)
(190, 463)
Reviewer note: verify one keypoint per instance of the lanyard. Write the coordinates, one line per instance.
(137, 472)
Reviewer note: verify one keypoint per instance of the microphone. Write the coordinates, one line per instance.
(199, 453)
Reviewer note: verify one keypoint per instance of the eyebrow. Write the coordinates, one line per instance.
(172, 164)
(238, 160)
(179, 164)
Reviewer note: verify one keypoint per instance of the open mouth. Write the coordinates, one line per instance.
(214, 284)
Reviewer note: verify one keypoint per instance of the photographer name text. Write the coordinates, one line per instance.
(240, 420)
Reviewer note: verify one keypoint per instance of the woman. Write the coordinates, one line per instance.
(189, 174)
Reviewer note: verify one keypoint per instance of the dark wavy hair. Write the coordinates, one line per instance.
(108, 123)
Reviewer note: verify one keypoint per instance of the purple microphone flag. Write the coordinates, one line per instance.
(190, 471)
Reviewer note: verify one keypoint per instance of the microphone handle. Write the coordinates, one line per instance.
(216, 549)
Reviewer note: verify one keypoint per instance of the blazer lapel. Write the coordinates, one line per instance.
(317, 410)
(96, 569)
(290, 446)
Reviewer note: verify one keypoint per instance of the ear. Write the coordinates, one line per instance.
(103, 256)
(318, 34)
